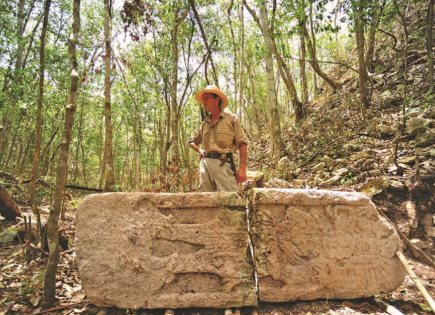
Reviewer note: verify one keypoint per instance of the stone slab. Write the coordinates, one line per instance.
(146, 250)
(311, 244)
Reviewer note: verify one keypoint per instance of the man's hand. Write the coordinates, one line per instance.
(241, 174)
(201, 153)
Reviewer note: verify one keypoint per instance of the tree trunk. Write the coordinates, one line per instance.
(139, 163)
(315, 65)
(429, 45)
(38, 124)
(123, 179)
(79, 148)
(379, 8)
(108, 147)
(370, 48)
(362, 68)
(20, 32)
(242, 57)
(254, 105)
(134, 162)
(277, 144)
(46, 153)
(175, 154)
(186, 157)
(304, 84)
(101, 156)
(404, 18)
(337, 42)
(6, 123)
(52, 232)
(85, 180)
(175, 158)
(24, 156)
(235, 73)
(13, 142)
(313, 35)
(166, 140)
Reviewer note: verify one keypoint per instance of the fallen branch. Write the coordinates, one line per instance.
(38, 249)
(415, 251)
(84, 188)
(39, 181)
(58, 308)
(416, 280)
(47, 185)
(390, 309)
(8, 176)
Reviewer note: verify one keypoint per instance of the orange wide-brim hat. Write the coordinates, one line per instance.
(212, 89)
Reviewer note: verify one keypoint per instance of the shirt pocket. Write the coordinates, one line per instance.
(205, 131)
(224, 139)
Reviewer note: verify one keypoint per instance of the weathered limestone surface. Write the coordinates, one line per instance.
(144, 250)
(312, 244)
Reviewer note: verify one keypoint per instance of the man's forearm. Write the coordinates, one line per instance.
(194, 146)
(243, 153)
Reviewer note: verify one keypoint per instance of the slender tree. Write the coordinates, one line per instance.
(62, 164)
(377, 12)
(108, 146)
(242, 60)
(178, 17)
(313, 36)
(16, 82)
(39, 106)
(358, 11)
(429, 44)
(277, 144)
(302, 26)
(404, 21)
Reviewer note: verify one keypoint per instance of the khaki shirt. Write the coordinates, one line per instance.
(224, 136)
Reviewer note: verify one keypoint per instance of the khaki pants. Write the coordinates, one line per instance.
(214, 177)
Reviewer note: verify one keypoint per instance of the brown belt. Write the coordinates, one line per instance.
(225, 157)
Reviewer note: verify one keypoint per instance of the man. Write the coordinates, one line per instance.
(220, 134)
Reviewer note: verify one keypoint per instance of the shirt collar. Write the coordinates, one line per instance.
(221, 116)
